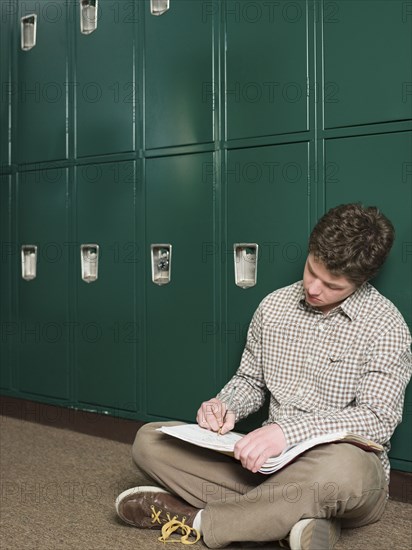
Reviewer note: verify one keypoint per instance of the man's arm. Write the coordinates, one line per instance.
(245, 391)
(378, 405)
(376, 411)
(242, 395)
(249, 382)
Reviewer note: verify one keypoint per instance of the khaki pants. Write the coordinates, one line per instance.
(332, 480)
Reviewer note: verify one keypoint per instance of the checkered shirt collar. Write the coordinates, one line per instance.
(350, 307)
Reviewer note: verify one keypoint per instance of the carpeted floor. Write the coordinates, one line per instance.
(58, 489)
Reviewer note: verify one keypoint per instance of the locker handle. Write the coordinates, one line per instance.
(89, 256)
(159, 7)
(28, 261)
(246, 259)
(28, 31)
(88, 16)
(161, 256)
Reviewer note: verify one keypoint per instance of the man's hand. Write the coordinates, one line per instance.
(211, 416)
(256, 447)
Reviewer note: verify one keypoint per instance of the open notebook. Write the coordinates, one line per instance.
(192, 433)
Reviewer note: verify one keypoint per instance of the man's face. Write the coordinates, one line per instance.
(322, 289)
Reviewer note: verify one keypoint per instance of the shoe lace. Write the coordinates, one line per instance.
(155, 515)
(173, 525)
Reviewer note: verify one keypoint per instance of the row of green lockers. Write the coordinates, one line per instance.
(199, 129)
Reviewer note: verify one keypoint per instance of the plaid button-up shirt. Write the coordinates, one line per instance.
(346, 370)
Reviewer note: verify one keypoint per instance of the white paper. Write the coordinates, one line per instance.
(192, 433)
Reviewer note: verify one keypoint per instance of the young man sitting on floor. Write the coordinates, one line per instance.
(334, 354)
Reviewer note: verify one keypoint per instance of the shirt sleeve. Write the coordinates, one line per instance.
(248, 382)
(378, 405)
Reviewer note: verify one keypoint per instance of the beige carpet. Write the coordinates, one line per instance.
(58, 488)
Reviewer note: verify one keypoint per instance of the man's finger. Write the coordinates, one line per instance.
(229, 423)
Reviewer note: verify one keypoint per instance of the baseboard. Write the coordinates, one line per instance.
(90, 423)
(400, 486)
(124, 431)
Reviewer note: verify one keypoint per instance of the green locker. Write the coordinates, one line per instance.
(40, 340)
(267, 204)
(213, 103)
(105, 83)
(5, 86)
(367, 60)
(266, 68)
(373, 170)
(180, 359)
(107, 331)
(7, 251)
(179, 78)
(40, 129)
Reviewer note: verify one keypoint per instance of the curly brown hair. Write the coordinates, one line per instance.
(352, 240)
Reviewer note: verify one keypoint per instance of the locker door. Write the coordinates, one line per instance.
(6, 247)
(105, 81)
(267, 204)
(42, 319)
(368, 62)
(178, 75)
(40, 134)
(5, 87)
(107, 332)
(375, 170)
(180, 368)
(266, 66)
(6, 254)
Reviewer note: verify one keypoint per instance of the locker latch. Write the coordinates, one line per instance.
(28, 31)
(246, 257)
(88, 16)
(89, 256)
(28, 261)
(159, 7)
(161, 263)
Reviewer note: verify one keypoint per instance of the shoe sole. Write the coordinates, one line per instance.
(323, 536)
(136, 490)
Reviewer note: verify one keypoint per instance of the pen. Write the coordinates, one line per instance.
(227, 408)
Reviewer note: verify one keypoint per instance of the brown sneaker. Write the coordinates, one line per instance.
(155, 508)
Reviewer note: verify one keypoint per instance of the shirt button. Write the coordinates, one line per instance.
(309, 360)
(321, 327)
